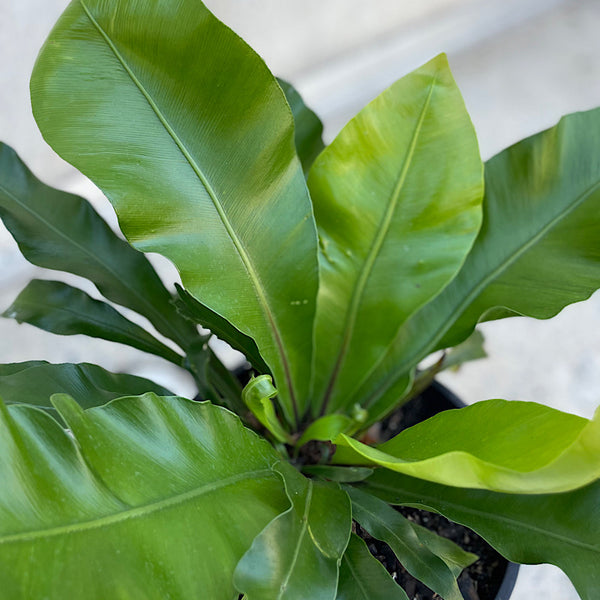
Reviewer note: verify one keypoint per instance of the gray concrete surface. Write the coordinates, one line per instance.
(520, 64)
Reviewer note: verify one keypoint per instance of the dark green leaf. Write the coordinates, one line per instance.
(308, 129)
(388, 525)
(518, 447)
(61, 231)
(397, 199)
(341, 474)
(189, 307)
(189, 135)
(537, 250)
(453, 555)
(363, 577)
(59, 308)
(154, 498)
(560, 529)
(298, 554)
(34, 382)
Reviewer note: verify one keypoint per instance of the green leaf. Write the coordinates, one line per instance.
(471, 349)
(326, 429)
(341, 474)
(388, 525)
(363, 577)
(154, 497)
(308, 129)
(63, 232)
(298, 554)
(257, 396)
(544, 192)
(189, 135)
(59, 308)
(453, 555)
(518, 447)
(34, 382)
(536, 253)
(190, 308)
(560, 529)
(397, 199)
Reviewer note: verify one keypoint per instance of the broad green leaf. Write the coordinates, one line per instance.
(335, 473)
(308, 129)
(363, 577)
(190, 308)
(298, 554)
(544, 191)
(63, 232)
(257, 397)
(154, 498)
(518, 447)
(537, 251)
(59, 308)
(560, 529)
(397, 199)
(34, 382)
(189, 135)
(388, 525)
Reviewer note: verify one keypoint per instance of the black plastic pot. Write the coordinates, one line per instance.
(433, 400)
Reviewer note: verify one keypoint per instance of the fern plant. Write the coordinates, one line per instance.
(335, 270)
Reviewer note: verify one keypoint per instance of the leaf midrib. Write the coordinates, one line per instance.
(357, 579)
(303, 530)
(237, 243)
(376, 246)
(472, 295)
(422, 499)
(135, 512)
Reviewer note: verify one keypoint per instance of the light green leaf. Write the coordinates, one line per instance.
(298, 554)
(363, 577)
(189, 135)
(61, 231)
(59, 308)
(560, 529)
(518, 447)
(308, 128)
(388, 525)
(154, 498)
(257, 397)
(34, 382)
(397, 199)
(537, 251)
(189, 307)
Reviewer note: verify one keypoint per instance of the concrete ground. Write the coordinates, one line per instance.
(521, 64)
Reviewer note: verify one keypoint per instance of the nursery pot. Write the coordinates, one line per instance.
(503, 576)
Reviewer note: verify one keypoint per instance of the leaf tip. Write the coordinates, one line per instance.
(67, 407)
